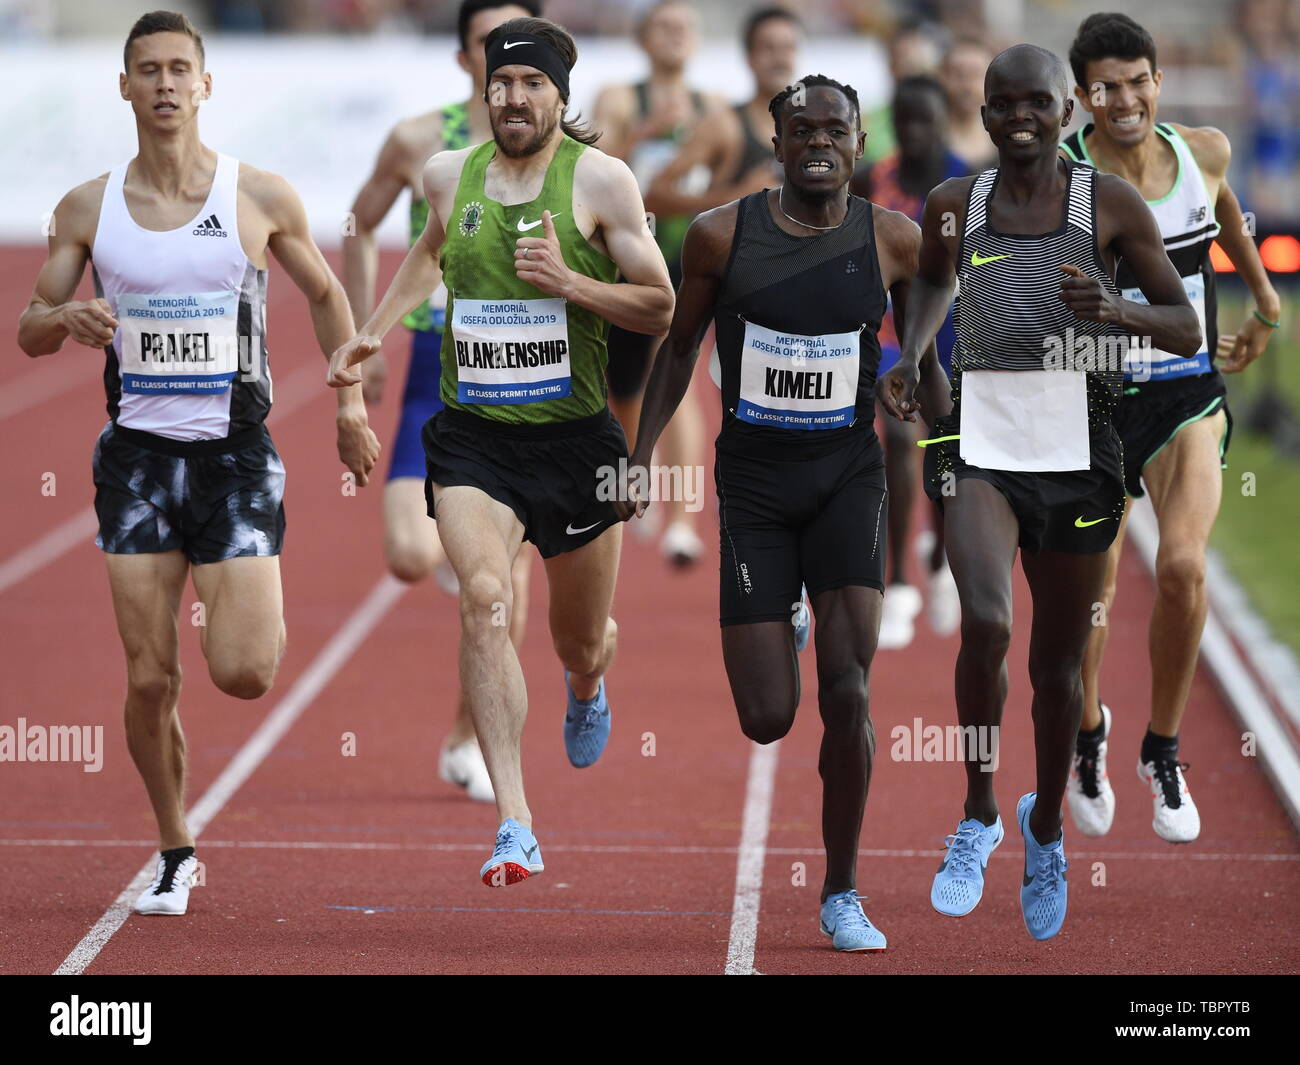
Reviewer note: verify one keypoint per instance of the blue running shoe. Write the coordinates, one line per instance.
(515, 857)
(1044, 893)
(846, 924)
(802, 622)
(959, 883)
(586, 727)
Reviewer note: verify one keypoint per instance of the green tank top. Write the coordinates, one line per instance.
(455, 134)
(511, 353)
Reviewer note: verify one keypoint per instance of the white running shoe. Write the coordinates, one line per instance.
(943, 604)
(463, 765)
(1176, 818)
(680, 545)
(169, 891)
(446, 578)
(902, 604)
(1088, 792)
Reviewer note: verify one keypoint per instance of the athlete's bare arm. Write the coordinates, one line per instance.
(289, 239)
(716, 144)
(605, 193)
(53, 316)
(419, 274)
(704, 261)
(1127, 228)
(1213, 152)
(898, 249)
(929, 294)
(397, 167)
(614, 115)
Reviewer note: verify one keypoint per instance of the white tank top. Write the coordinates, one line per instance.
(188, 359)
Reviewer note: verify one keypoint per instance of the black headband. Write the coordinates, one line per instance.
(529, 50)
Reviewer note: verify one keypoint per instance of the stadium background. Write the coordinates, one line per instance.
(310, 89)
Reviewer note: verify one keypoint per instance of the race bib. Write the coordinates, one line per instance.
(511, 351)
(173, 344)
(1027, 420)
(1145, 363)
(792, 381)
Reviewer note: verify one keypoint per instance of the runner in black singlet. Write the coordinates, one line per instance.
(794, 279)
(1029, 458)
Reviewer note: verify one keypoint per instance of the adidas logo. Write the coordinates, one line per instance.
(209, 227)
(1196, 215)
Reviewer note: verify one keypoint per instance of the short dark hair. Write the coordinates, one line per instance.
(1108, 35)
(562, 41)
(812, 81)
(470, 8)
(917, 83)
(161, 22)
(766, 14)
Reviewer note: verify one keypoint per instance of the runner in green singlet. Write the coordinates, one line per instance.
(529, 232)
(411, 543)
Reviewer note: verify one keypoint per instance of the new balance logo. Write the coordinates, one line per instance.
(1196, 215)
(210, 227)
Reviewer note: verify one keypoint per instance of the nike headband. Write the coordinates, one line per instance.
(529, 50)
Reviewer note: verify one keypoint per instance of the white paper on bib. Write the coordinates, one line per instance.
(1025, 420)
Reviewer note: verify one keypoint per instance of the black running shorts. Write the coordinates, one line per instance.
(211, 499)
(785, 522)
(1151, 414)
(1076, 512)
(552, 476)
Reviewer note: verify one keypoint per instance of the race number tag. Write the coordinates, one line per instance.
(1145, 363)
(1028, 420)
(187, 344)
(511, 351)
(798, 382)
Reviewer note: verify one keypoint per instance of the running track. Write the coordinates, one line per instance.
(684, 862)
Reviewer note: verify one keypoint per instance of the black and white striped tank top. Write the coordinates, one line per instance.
(1010, 315)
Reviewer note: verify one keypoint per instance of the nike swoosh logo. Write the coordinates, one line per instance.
(512, 44)
(976, 259)
(1079, 523)
(574, 532)
(523, 226)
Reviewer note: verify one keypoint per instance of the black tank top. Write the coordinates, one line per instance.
(1010, 315)
(796, 322)
(755, 150)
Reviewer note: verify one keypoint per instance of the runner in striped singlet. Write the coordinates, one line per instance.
(411, 543)
(1173, 418)
(188, 485)
(1029, 457)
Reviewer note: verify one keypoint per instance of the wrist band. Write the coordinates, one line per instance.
(1271, 325)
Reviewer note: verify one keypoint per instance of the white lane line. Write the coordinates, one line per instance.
(327, 662)
(1171, 855)
(749, 863)
(36, 387)
(76, 531)
(298, 389)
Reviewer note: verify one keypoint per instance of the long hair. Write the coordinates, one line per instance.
(559, 39)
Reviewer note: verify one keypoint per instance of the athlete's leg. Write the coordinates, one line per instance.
(1097, 639)
(902, 475)
(763, 669)
(411, 544)
(983, 534)
(1064, 587)
(848, 620)
(581, 585)
(1185, 484)
(146, 596)
(243, 635)
(481, 536)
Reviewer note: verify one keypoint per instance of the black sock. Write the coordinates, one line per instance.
(1092, 736)
(179, 853)
(1154, 747)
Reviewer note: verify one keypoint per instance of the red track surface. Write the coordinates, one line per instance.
(368, 864)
